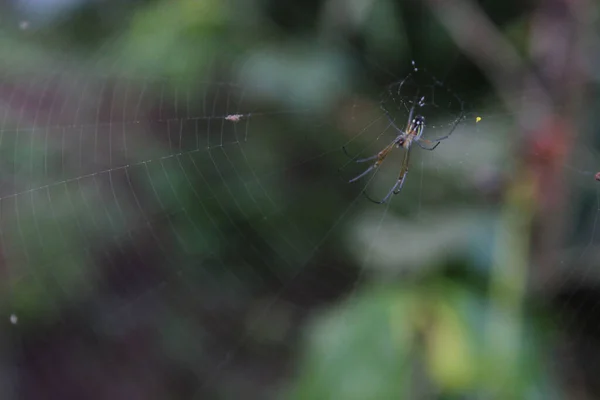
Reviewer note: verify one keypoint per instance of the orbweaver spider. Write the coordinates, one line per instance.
(413, 133)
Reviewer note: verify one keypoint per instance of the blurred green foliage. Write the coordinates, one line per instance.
(162, 230)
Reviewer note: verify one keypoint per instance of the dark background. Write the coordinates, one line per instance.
(176, 220)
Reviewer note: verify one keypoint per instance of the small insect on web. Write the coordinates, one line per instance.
(416, 98)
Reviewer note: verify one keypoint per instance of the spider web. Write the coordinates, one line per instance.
(146, 194)
(156, 195)
(473, 162)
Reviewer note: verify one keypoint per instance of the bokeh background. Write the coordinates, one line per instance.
(176, 220)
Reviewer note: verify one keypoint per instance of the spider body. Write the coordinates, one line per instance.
(413, 133)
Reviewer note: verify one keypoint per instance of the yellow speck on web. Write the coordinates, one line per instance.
(477, 119)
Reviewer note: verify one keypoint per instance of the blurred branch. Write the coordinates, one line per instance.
(548, 120)
(535, 198)
(477, 36)
(557, 37)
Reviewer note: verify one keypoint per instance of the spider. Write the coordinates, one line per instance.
(411, 134)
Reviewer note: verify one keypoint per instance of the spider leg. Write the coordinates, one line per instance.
(393, 191)
(346, 152)
(429, 142)
(399, 183)
(398, 139)
(442, 138)
(451, 131)
(363, 173)
(376, 156)
(389, 117)
(361, 159)
(379, 157)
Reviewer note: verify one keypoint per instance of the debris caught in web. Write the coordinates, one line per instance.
(234, 117)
